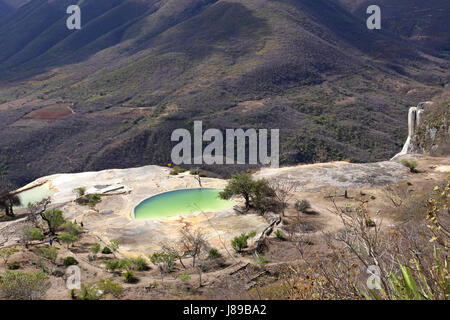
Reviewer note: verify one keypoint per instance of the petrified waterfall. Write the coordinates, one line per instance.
(415, 116)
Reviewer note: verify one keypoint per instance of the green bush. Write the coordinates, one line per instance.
(114, 245)
(72, 228)
(13, 266)
(261, 260)
(370, 223)
(129, 277)
(30, 233)
(165, 261)
(185, 277)
(106, 250)
(54, 218)
(213, 253)
(256, 193)
(109, 286)
(68, 238)
(80, 191)
(95, 248)
(69, 261)
(36, 234)
(263, 197)
(302, 205)
(117, 265)
(140, 264)
(125, 264)
(89, 292)
(5, 253)
(176, 170)
(94, 199)
(240, 242)
(58, 273)
(279, 234)
(73, 294)
(411, 165)
(18, 285)
(113, 265)
(49, 252)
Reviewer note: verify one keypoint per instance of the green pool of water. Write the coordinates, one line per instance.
(34, 195)
(178, 202)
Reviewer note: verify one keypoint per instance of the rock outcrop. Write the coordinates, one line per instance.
(415, 119)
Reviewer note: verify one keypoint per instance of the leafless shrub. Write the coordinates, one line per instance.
(404, 254)
(284, 190)
(37, 210)
(195, 246)
(193, 243)
(175, 250)
(405, 202)
(396, 195)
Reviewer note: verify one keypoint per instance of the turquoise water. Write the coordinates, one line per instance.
(34, 195)
(177, 202)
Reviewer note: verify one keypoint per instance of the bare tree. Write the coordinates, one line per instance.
(284, 191)
(38, 209)
(193, 242)
(197, 176)
(405, 257)
(362, 236)
(396, 195)
(175, 250)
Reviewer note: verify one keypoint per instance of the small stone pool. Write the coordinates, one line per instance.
(179, 202)
(35, 194)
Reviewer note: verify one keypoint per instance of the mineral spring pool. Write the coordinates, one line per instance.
(35, 194)
(178, 202)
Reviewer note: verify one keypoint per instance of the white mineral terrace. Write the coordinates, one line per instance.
(123, 189)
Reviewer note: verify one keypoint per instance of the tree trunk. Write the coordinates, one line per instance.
(50, 229)
(199, 276)
(181, 261)
(11, 210)
(8, 211)
(247, 201)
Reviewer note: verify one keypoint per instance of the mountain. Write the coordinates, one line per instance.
(8, 6)
(422, 22)
(5, 9)
(110, 95)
